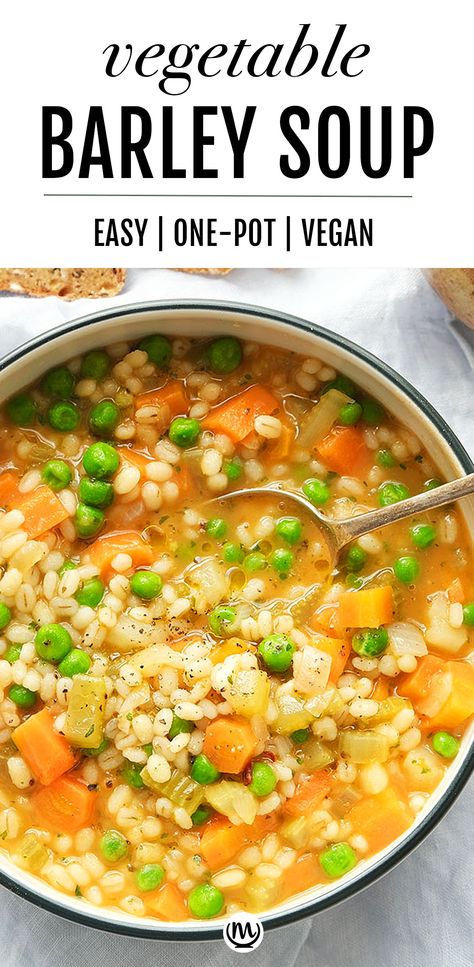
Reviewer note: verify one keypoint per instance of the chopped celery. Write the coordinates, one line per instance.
(297, 831)
(180, 789)
(85, 712)
(316, 755)
(293, 714)
(33, 852)
(344, 801)
(328, 702)
(363, 746)
(389, 707)
(249, 692)
(319, 420)
(234, 800)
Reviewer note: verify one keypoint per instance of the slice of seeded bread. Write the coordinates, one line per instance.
(207, 271)
(66, 283)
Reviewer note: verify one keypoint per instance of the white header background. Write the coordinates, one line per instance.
(421, 54)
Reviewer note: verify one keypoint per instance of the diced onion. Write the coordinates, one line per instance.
(311, 669)
(406, 639)
(233, 800)
(129, 633)
(364, 746)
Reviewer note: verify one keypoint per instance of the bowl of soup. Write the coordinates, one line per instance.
(200, 714)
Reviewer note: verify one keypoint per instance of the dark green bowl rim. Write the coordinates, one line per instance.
(413, 838)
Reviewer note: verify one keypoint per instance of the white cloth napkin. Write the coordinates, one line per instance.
(422, 912)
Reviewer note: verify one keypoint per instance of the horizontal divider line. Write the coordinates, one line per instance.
(55, 194)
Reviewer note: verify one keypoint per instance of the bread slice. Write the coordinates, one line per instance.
(206, 271)
(66, 283)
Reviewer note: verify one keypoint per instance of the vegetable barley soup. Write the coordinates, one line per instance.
(196, 716)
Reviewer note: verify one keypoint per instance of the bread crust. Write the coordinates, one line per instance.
(67, 284)
(206, 271)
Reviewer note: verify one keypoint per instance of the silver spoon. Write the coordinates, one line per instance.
(338, 533)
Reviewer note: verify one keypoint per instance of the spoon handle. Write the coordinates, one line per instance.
(348, 530)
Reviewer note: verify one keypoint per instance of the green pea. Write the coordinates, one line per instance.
(432, 484)
(95, 365)
(350, 414)
(149, 877)
(343, 384)
(277, 652)
(22, 696)
(224, 354)
(113, 845)
(468, 614)
(337, 859)
(76, 662)
(53, 642)
(289, 529)
(184, 432)
(406, 569)
(282, 561)
(370, 642)
(178, 726)
(263, 780)
(91, 593)
(201, 815)
(232, 553)
(97, 751)
(101, 460)
(392, 492)
(130, 774)
(445, 744)
(58, 382)
(216, 527)
(300, 736)
(356, 557)
(12, 654)
(22, 410)
(316, 491)
(63, 416)
(221, 618)
(67, 566)
(205, 901)
(5, 615)
(96, 493)
(146, 585)
(88, 520)
(423, 535)
(158, 349)
(203, 771)
(232, 468)
(372, 412)
(255, 561)
(385, 459)
(56, 474)
(103, 418)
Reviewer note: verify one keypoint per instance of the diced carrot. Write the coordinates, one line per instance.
(325, 620)
(459, 705)
(229, 743)
(43, 748)
(168, 903)
(345, 451)
(309, 794)
(221, 840)
(369, 608)
(235, 417)
(8, 486)
(182, 477)
(303, 874)
(233, 646)
(381, 690)
(136, 457)
(66, 805)
(42, 510)
(338, 650)
(280, 449)
(380, 819)
(104, 549)
(172, 395)
(456, 592)
(416, 685)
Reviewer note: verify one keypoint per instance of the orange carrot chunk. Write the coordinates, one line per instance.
(344, 450)
(8, 487)
(235, 417)
(42, 510)
(457, 678)
(46, 751)
(417, 684)
(309, 794)
(221, 840)
(167, 903)
(104, 549)
(229, 743)
(369, 608)
(303, 874)
(172, 396)
(380, 819)
(67, 805)
(339, 651)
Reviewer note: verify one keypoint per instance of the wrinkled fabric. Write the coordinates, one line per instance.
(421, 913)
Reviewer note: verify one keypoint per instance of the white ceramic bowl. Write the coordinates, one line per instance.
(203, 319)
